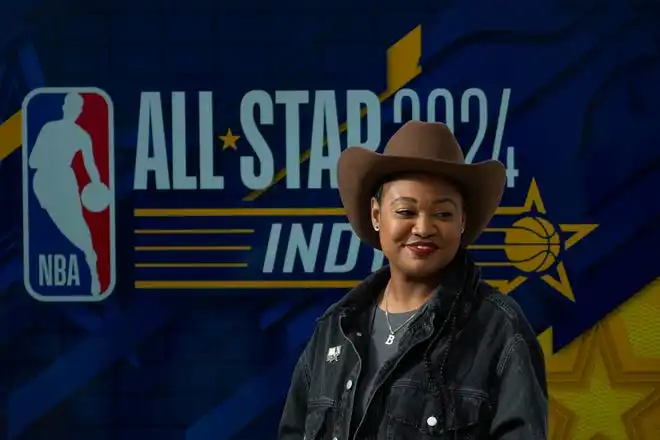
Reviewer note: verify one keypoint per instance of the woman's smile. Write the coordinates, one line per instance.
(422, 249)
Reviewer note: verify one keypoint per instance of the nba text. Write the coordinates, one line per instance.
(58, 270)
(325, 141)
(300, 247)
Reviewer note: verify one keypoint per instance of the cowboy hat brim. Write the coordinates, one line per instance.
(360, 171)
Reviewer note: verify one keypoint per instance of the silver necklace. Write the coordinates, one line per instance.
(393, 332)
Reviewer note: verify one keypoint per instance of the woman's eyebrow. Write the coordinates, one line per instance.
(435, 202)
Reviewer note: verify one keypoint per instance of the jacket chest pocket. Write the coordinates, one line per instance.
(414, 413)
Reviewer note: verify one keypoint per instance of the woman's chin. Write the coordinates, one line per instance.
(421, 268)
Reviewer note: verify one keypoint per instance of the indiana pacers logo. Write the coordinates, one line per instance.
(531, 244)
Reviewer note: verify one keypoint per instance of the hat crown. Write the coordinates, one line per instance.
(425, 140)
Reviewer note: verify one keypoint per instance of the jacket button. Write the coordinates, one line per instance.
(349, 384)
(431, 421)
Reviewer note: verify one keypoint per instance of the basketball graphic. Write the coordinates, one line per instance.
(532, 244)
(95, 197)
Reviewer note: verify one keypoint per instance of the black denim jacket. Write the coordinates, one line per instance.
(495, 373)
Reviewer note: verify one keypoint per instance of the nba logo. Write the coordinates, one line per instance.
(68, 195)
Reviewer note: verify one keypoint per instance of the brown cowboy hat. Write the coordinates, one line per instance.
(418, 147)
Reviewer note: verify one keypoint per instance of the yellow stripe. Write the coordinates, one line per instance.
(486, 247)
(193, 231)
(275, 284)
(498, 230)
(495, 264)
(193, 248)
(10, 135)
(313, 284)
(190, 265)
(272, 212)
(244, 265)
(495, 247)
(402, 67)
(240, 212)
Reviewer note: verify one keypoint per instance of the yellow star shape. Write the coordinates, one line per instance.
(633, 329)
(568, 364)
(597, 406)
(606, 383)
(571, 235)
(229, 140)
(564, 367)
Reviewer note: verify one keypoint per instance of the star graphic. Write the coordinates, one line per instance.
(571, 235)
(597, 405)
(229, 140)
(605, 384)
(634, 332)
(568, 364)
(564, 367)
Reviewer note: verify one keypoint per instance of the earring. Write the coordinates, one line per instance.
(462, 230)
(376, 228)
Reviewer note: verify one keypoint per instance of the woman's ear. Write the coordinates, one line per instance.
(375, 214)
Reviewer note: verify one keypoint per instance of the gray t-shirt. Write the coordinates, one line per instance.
(380, 350)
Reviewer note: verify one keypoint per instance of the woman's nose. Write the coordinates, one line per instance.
(424, 226)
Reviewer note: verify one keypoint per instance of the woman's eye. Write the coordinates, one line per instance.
(444, 214)
(405, 212)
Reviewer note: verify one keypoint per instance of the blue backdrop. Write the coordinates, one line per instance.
(197, 352)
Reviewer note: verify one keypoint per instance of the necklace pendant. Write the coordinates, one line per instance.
(390, 339)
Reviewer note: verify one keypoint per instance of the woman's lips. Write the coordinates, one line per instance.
(422, 249)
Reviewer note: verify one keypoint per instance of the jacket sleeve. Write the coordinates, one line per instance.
(292, 423)
(522, 404)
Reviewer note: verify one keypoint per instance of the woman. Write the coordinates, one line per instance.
(424, 348)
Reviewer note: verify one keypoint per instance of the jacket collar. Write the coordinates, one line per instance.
(462, 278)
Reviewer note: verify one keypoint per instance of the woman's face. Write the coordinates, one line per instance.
(420, 221)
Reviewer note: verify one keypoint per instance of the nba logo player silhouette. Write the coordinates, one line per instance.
(68, 195)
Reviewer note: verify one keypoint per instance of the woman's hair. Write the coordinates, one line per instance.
(465, 298)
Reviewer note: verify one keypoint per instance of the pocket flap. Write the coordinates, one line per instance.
(419, 408)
